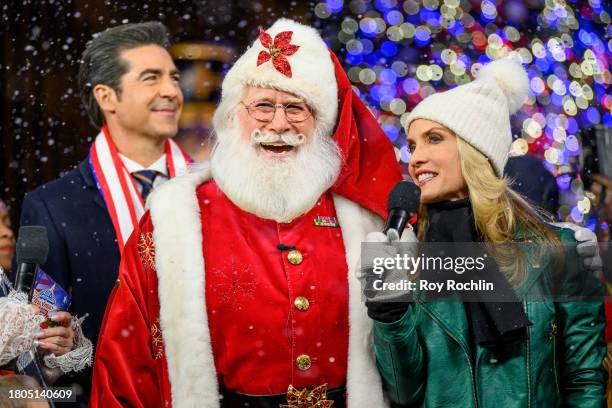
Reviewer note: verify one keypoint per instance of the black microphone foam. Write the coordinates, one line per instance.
(32, 245)
(406, 196)
(402, 204)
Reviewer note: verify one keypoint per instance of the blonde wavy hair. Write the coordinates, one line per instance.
(500, 213)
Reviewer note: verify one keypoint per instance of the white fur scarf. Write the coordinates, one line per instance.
(180, 268)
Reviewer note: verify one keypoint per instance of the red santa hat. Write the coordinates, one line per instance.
(293, 57)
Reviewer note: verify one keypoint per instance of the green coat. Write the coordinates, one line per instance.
(425, 358)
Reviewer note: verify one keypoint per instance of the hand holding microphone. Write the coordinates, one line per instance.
(19, 320)
(384, 303)
(31, 252)
(65, 347)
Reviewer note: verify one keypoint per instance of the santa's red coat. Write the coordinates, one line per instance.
(164, 343)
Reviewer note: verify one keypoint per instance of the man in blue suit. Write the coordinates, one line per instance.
(130, 88)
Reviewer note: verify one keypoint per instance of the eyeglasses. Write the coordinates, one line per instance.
(264, 111)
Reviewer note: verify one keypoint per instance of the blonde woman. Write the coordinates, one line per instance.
(492, 353)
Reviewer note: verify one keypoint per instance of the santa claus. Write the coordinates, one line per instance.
(239, 286)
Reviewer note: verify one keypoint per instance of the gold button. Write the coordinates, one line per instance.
(301, 303)
(295, 257)
(303, 362)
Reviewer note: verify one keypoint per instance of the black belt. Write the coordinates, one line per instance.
(232, 399)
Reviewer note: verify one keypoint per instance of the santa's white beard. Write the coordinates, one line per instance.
(279, 189)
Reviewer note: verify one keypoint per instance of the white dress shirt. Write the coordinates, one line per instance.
(160, 166)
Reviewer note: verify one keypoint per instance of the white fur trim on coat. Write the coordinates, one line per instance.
(177, 234)
(179, 262)
(363, 382)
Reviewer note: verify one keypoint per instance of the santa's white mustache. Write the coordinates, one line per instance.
(259, 136)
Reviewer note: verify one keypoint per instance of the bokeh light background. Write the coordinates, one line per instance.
(398, 52)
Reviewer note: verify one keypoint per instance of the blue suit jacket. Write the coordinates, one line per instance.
(83, 252)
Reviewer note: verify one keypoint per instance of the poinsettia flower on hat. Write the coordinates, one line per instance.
(280, 48)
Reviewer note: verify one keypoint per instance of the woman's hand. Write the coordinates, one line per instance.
(385, 303)
(57, 340)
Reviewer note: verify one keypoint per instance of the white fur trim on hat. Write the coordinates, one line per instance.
(313, 77)
(479, 112)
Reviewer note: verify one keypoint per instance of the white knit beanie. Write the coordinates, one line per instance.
(479, 112)
(310, 74)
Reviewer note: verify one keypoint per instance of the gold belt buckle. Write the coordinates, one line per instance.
(315, 398)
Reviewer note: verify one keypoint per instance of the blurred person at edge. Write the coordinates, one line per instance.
(602, 190)
(532, 180)
(129, 86)
(7, 239)
(528, 349)
(239, 286)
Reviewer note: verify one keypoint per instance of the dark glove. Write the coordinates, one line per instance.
(384, 305)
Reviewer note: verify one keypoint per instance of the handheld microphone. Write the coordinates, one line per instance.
(31, 252)
(403, 205)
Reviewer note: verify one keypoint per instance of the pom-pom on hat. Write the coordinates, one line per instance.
(290, 57)
(479, 112)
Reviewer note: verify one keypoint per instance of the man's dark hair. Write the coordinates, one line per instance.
(102, 64)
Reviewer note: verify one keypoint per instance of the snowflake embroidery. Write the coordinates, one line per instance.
(157, 341)
(146, 249)
(279, 50)
(233, 284)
